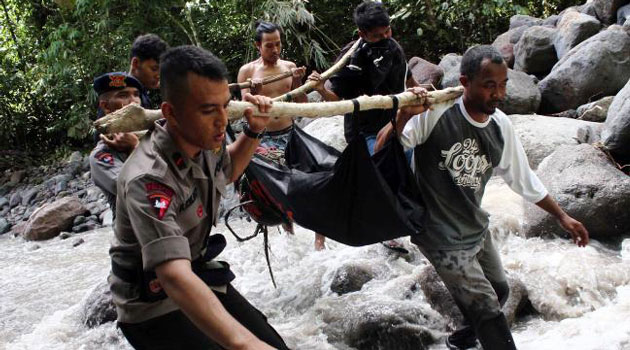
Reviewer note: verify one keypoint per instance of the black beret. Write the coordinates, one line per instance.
(115, 81)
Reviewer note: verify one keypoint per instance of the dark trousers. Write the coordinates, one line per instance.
(175, 331)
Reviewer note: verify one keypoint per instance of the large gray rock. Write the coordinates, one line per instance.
(552, 20)
(29, 196)
(523, 96)
(589, 133)
(16, 199)
(600, 65)
(535, 52)
(385, 324)
(623, 14)
(505, 42)
(524, 20)
(573, 28)
(98, 307)
(425, 72)
(616, 133)
(606, 10)
(542, 135)
(588, 187)
(595, 111)
(52, 218)
(351, 278)
(451, 64)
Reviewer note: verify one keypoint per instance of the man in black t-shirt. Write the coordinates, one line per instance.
(378, 67)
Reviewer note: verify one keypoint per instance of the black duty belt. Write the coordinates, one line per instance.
(210, 274)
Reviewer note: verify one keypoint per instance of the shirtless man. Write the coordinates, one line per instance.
(269, 44)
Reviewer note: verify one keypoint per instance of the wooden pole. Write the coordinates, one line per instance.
(267, 80)
(134, 118)
(310, 85)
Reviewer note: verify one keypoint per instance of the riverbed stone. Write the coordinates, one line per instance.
(17, 177)
(541, 135)
(16, 199)
(573, 28)
(524, 20)
(425, 72)
(5, 226)
(451, 64)
(522, 95)
(588, 187)
(351, 278)
(535, 52)
(597, 66)
(29, 195)
(3, 201)
(595, 111)
(98, 307)
(616, 132)
(50, 219)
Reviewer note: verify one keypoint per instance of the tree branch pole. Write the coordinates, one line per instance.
(134, 118)
(310, 85)
(267, 80)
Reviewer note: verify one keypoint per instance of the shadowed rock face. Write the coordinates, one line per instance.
(599, 66)
(589, 188)
(99, 307)
(606, 10)
(616, 133)
(573, 28)
(535, 53)
(522, 95)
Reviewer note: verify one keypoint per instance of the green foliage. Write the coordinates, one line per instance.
(50, 51)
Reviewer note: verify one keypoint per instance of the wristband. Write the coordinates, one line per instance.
(254, 135)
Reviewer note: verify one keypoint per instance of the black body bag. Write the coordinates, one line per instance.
(350, 197)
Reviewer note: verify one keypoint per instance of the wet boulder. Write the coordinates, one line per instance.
(542, 135)
(425, 72)
(351, 278)
(524, 20)
(616, 133)
(595, 111)
(573, 28)
(522, 96)
(329, 131)
(588, 187)
(597, 66)
(52, 218)
(451, 65)
(535, 52)
(98, 307)
(382, 324)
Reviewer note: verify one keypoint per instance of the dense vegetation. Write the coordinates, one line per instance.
(51, 50)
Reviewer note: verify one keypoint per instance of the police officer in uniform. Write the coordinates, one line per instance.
(169, 290)
(115, 90)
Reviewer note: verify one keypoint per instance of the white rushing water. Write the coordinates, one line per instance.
(583, 294)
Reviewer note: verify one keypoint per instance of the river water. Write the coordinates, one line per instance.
(582, 294)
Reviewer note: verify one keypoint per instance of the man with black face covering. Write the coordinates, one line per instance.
(378, 67)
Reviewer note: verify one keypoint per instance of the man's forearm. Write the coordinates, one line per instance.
(201, 306)
(241, 152)
(328, 95)
(549, 205)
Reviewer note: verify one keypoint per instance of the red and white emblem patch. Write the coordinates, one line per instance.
(200, 210)
(117, 81)
(105, 157)
(159, 196)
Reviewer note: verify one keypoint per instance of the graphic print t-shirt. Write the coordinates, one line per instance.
(454, 157)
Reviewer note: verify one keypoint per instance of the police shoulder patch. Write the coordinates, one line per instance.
(160, 197)
(104, 157)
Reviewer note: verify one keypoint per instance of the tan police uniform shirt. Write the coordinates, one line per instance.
(166, 206)
(105, 165)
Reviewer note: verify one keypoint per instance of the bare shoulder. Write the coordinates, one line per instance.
(287, 64)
